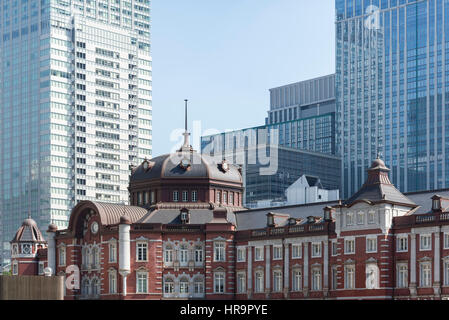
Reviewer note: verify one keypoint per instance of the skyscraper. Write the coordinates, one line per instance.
(392, 91)
(75, 108)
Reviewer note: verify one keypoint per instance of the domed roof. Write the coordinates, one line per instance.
(378, 164)
(197, 166)
(28, 232)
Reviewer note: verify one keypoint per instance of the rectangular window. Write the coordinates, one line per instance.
(334, 278)
(142, 282)
(183, 254)
(349, 246)
(112, 282)
(296, 251)
(402, 244)
(446, 241)
(402, 276)
(371, 217)
(168, 254)
(112, 252)
(198, 254)
(277, 253)
(258, 254)
(62, 256)
(258, 282)
(296, 280)
(446, 272)
(349, 218)
(425, 242)
(316, 279)
(371, 244)
(241, 254)
(218, 197)
(219, 251)
(185, 196)
(425, 274)
(334, 248)
(277, 281)
(142, 251)
(349, 277)
(360, 218)
(316, 250)
(175, 196)
(219, 285)
(194, 196)
(241, 282)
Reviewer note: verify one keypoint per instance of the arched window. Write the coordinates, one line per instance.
(183, 252)
(85, 287)
(112, 281)
(198, 285)
(297, 280)
(184, 286)
(168, 254)
(95, 287)
(169, 286)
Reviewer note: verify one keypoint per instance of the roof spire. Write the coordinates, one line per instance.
(186, 134)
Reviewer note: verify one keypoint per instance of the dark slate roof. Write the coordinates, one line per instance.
(424, 199)
(202, 166)
(257, 218)
(378, 187)
(199, 214)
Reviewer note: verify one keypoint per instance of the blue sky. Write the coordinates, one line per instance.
(224, 56)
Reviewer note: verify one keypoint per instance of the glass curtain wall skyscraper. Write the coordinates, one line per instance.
(76, 105)
(392, 89)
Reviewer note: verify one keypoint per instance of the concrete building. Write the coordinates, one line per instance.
(308, 189)
(75, 107)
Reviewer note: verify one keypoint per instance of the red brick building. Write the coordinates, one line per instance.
(187, 236)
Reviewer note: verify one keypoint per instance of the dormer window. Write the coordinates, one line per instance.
(270, 220)
(185, 216)
(436, 204)
(291, 221)
(311, 219)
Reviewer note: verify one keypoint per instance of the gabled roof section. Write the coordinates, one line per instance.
(378, 188)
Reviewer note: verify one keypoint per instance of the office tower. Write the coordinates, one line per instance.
(392, 92)
(75, 105)
(298, 138)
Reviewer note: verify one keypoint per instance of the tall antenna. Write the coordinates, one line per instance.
(186, 114)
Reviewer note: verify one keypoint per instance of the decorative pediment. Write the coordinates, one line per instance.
(371, 260)
(349, 261)
(426, 258)
(142, 238)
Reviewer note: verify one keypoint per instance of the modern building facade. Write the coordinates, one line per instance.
(392, 91)
(298, 137)
(75, 105)
(193, 240)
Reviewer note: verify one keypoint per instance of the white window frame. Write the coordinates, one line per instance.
(350, 276)
(371, 217)
(316, 250)
(183, 253)
(369, 248)
(194, 196)
(421, 242)
(258, 253)
(277, 280)
(199, 254)
(15, 268)
(62, 256)
(112, 252)
(425, 274)
(334, 280)
(185, 196)
(241, 254)
(175, 196)
(241, 282)
(141, 245)
(41, 267)
(349, 245)
(334, 248)
(259, 284)
(316, 279)
(446, 271)
(446, 241)
(184, 286)
(198, 286)
(219, 251)
(296, 251)
(168, 254)
(400, 242)
(296, 280)
(349, 218)
(141, 277)
(277, 252)
(360, 218)
(219, 282)
(112, 280)
(402, 275)
(169, 284)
